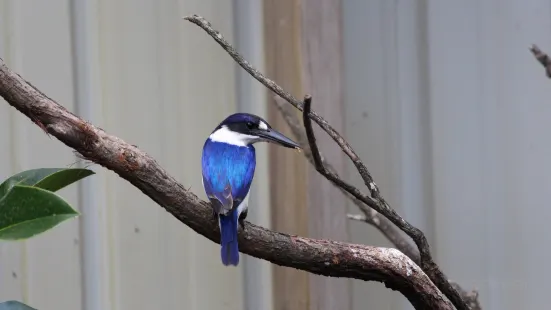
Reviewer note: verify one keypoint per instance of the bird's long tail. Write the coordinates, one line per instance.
(228, 238)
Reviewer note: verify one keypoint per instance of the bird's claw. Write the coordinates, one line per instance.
(214, 215)
(242, 224)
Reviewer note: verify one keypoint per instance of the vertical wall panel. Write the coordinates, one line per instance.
(209, 96)
(166, 86)
(12, 277)
(322, 65)
(490, 118)
(470, 167)
(387, 120)
(251, 97)
(37, 43)
(462, 137)
(95, 229)
(144, 74)
(132, 113)
(282, 25)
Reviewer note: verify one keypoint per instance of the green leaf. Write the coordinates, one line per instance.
(52, 179)
(14, 305)
(26, 211)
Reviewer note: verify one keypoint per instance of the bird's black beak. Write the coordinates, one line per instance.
(276, 137)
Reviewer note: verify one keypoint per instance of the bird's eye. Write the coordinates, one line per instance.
(250, 125)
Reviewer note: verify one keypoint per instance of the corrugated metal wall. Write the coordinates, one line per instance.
(137, 70)
(443, 101)
(451, 113)
(36, 42)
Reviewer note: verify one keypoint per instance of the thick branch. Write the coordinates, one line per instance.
(375, 201)
(335, 259)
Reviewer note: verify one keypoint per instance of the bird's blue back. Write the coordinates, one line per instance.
(223, 163)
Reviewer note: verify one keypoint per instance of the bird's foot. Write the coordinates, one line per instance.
(214, 214)
(242, 224)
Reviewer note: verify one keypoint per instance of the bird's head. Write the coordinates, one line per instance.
(244, 129)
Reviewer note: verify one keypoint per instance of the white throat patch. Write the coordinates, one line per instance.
(231, 137)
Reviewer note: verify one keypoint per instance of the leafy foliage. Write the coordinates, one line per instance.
(28, 204)
(52, 179)
(14, 305)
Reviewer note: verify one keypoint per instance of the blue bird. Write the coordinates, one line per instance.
(228, 164)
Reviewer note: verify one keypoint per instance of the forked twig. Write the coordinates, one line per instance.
(369, 216)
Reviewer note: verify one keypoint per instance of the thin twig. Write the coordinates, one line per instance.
(310, 133)
(375, 201)
(333, 177)
(471, 298)
(543, 59)
(369, 216)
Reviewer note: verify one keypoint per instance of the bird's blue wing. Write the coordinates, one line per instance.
(228, 172)
(222, 201)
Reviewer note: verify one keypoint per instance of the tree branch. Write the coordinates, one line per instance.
(329, 258)
(369, 215)
(375, 201)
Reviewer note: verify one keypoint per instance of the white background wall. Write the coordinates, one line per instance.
(451, 112)
(444, 102)
(137, 70)
(38, 46)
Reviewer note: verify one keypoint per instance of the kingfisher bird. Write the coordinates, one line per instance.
(228, 164)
